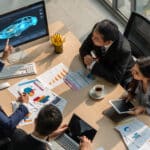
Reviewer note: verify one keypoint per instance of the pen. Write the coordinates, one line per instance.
(93, 54)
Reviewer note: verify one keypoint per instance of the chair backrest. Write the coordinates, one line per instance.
(138, 33)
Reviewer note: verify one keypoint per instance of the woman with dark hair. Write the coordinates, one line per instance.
(140, 86)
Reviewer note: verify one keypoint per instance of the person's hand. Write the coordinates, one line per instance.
(7, 51)
(23, 98)
(137, 110)
(58, 132)
(127, 97)
(88, 60)
(85, 144)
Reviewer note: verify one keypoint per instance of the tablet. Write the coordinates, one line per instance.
(121, 106)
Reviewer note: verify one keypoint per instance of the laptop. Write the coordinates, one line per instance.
(71, 138)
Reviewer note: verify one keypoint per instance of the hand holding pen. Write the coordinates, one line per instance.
(7, 50)
(88, 59)
(23, 97)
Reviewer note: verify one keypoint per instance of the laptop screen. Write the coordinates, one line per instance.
(78, 128)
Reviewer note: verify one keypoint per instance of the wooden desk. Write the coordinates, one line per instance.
(78, 101)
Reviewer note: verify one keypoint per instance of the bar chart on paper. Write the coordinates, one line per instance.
(38, 97)
(54, 76)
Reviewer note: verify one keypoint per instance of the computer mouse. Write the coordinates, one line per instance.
(4, 85)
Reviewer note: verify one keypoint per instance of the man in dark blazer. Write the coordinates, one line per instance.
(107, 53)
(8, 123)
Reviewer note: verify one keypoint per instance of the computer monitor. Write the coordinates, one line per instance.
(24, 27)
(138, 33)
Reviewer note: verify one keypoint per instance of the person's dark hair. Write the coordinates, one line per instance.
(48, 120)
(144, 66)
(108, 29)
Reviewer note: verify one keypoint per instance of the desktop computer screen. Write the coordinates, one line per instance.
(24, 25)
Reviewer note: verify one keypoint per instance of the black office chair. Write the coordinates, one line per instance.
(137, 32)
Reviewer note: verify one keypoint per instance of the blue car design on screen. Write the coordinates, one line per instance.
(18, 26)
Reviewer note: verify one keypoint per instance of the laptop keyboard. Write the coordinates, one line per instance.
(67, 143)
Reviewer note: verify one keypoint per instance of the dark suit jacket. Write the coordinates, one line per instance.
(114, 65)
(27, 142)
(8, 124)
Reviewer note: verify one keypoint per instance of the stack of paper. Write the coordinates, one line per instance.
(135, 134)
(38, 97)
(60, 73)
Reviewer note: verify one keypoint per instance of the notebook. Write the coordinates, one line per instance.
(71, 138)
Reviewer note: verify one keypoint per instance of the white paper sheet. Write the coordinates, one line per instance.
(136, 134)
(38, 97)
(54, 76)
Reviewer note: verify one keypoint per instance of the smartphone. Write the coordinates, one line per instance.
(1, 66)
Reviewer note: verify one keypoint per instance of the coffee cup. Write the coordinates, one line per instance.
(98, 90)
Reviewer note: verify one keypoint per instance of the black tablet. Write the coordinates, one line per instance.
(121, 106)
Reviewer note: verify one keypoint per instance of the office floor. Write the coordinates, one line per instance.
(78, 15)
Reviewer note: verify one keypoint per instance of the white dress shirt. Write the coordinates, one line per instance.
(93, 63)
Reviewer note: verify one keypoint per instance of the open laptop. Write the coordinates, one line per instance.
(71, 138)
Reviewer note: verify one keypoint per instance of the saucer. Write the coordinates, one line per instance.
(94, 96)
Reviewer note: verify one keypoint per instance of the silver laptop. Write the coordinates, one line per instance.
(71, 138)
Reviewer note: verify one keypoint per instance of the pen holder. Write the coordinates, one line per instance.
(58, 49)
(57, 40)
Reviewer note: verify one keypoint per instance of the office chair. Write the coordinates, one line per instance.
(137, 32)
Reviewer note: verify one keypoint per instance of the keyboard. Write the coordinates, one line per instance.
(67, 143)
(18, 70)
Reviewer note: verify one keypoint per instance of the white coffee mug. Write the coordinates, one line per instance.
(98, 89)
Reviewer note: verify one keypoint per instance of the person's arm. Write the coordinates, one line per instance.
(12, 121)
(85, 144)
(58, 132)
(86, 46)
(7, 51)
(147, 107)
(115, 72)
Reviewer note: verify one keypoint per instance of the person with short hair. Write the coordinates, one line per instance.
(107, 53)
(139, 88)
(47, 127)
